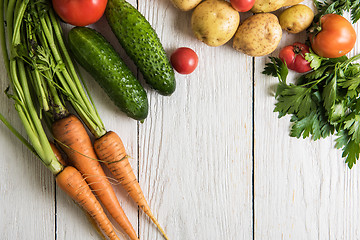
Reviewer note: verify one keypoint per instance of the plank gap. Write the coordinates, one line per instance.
(138, 148)
(55, 209)
(253, 148)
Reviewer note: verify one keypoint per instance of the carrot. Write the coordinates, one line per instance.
(57, 154)
(76, 143)
(71, 182)
(48, 81)
(110, 149)
(27, 27)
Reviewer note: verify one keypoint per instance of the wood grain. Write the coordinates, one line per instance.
(303, 188)
(213, 159)
(27, 208)
(195, 147)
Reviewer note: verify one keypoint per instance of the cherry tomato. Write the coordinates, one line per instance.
(336, 37)
(184, 60)
(80, 12)
(294, 56)
(242, 5)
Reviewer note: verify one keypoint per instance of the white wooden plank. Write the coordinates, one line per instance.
(303, 189)
(195, 146)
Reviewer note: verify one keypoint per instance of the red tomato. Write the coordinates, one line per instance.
(80, 12)
(242, 5)
(336, 37)
(184, 60)
(294, 57)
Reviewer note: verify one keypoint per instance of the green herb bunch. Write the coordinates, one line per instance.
(339, 7)
(322, 102)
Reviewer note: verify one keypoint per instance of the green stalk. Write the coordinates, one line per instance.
(5, 3)
(36, 77)
(3, 38)
(40, 136)
(71, 84)
(69, 63)
(18, 77)
(38, 83)
(9, 20)
(57, 56)
(17, 134)
(20, 8)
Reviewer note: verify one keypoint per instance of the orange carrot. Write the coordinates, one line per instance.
(76, 143)
(71, 181)
(57, 154)
(110, 149)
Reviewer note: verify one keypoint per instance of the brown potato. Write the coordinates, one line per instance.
(261, 6)
(296, 18)
(258, 35)
(185, 5)
(214, 22)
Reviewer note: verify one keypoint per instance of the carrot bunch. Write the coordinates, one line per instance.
(43, 78)
(67, 177)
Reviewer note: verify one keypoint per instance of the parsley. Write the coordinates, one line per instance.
(323, 102)
(338, 7)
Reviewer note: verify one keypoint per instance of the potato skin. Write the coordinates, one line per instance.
(185, 5)
(214, 22)
(258, 35)
(264, 6)
(296, 19)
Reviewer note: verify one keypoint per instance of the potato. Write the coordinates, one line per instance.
(296, 18)
(185, 5)
(258, 35)
(214, 22)
(261, 6)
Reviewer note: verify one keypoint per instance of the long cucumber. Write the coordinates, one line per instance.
(96, 55)
(141, 44)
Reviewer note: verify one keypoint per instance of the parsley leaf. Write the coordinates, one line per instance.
(315, 125)
(355, 13)
(352, 124)
(323, 102)
(329, 95)
(350, 148)
(314, 60)
(276, 68)
(338, 7)
(294, 99)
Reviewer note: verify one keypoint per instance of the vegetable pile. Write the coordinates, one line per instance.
(43, 80)
(324, 100)
(95, 54)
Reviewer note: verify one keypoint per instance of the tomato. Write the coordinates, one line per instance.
(184, 60)
(242, 5)
(336, 37)
(80, 12)
(294, 57)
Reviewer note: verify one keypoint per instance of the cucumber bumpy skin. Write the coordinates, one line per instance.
(141, 44)
(96, 55)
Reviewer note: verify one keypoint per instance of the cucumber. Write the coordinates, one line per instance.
(141, 44)
(95, 54)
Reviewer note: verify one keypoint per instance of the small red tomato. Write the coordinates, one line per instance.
(294, 57)
(184, 60)
(242, 5)
(80, 12)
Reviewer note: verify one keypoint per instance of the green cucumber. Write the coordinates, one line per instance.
(141, 44)
(95, 54)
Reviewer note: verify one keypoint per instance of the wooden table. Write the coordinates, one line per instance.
(213, 159)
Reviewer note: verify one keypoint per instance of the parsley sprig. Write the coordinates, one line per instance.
(323, 102)
(339, 7)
